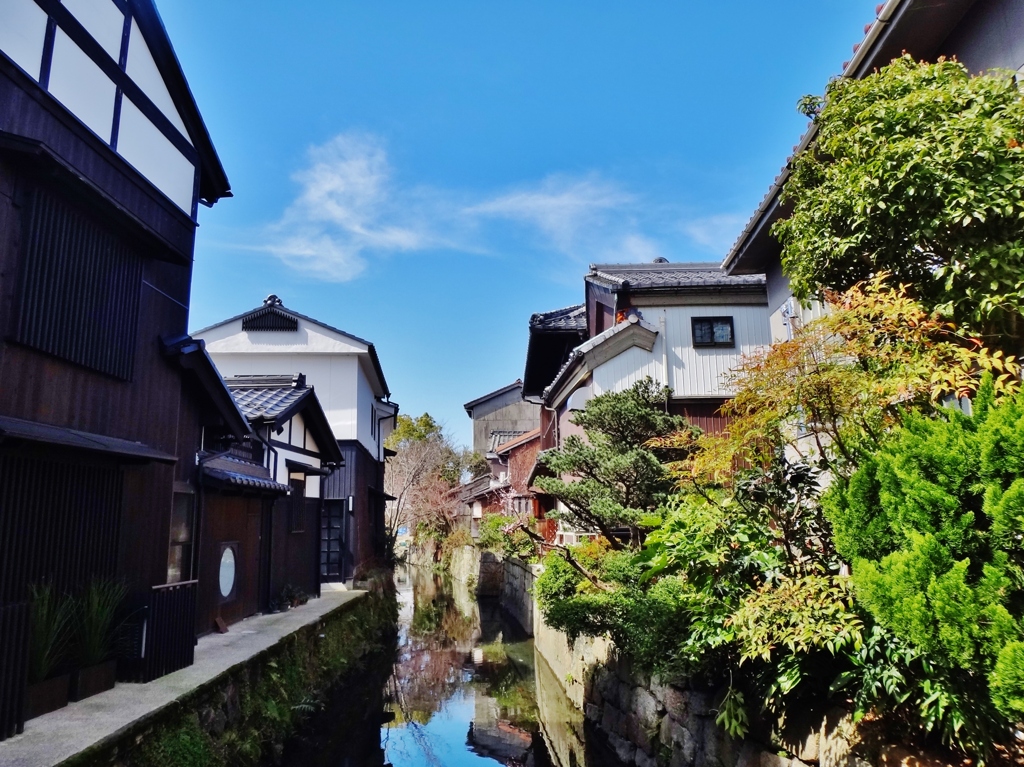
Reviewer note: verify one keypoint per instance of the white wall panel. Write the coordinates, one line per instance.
(624, 370)
(692, 371)
(80, 85)
(702, 371)
(143, 70)
(22, 32)
(364, 408)
(156, 158)
(298, 429)
(102, 20)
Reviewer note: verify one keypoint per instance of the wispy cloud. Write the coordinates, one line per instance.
(346, 210)
(561, 208)
(717, 233)
(351, 208)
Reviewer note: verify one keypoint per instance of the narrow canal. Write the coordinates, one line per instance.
(463, 687)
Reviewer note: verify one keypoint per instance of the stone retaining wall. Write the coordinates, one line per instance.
(246, 714)
(483, 571)
(650, 723)
(517, 592)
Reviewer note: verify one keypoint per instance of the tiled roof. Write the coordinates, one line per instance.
(267, 397)
(664, 275)
(569, 318)
(515, 442)
(501, 436)
(243, 474)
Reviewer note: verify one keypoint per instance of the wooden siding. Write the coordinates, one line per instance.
(692, 371)
(229, 519)
(40, 387)
(14, 659)
(705, 415)
(295, 554)
(26, 110)
(362, 479)
(79, 287)
(59, 523)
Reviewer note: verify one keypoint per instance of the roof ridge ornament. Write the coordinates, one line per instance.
(272, 300)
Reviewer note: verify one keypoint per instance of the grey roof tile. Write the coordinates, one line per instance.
(266, 397)
(658, 275)
(569, 318)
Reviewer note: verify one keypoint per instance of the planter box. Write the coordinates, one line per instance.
(93, 680)
(46, 696)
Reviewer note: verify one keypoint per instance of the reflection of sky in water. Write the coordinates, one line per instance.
(440, 690)
(439, 743)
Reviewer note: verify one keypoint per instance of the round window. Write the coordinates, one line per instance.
(227, 572)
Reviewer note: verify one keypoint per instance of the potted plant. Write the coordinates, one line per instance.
(97, 610)
(52, 616)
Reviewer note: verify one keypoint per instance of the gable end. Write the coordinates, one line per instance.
(269, 318)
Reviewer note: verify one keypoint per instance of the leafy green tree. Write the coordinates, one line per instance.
(933, 524)
(611, 479)
(408, 429)
(917, 170)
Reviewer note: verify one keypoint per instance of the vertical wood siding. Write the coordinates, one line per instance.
(79, 292)
(58, 524)
(14, 641)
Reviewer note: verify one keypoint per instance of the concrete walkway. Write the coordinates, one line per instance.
(49, 740)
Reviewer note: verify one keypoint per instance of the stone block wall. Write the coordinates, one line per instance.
(651, 723)
(517, 592)
(483, 570)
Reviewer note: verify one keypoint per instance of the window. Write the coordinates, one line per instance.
(227, 572)
(373, 423)
(179, 557)
(78, 297)
(713, 331)
(297, 506)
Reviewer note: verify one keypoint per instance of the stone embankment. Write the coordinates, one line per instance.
(650, 722)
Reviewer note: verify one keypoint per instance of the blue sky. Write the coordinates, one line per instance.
(428, 175)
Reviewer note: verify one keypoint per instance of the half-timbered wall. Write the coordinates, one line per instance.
(93, 58)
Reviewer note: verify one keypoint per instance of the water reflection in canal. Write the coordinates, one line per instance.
(466, 688)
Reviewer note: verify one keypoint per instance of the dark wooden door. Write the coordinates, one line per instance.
(230, 522)
(332, 540)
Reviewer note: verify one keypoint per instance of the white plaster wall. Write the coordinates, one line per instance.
(156, 158)
(297, 431)
(101, 19)
(22, 33)
(80, 85)
(332, 377)
(365, 413)
(143, 70)
(308, 339)
(283, 474)
(330, 361)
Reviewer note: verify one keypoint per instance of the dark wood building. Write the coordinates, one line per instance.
(103, 402)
